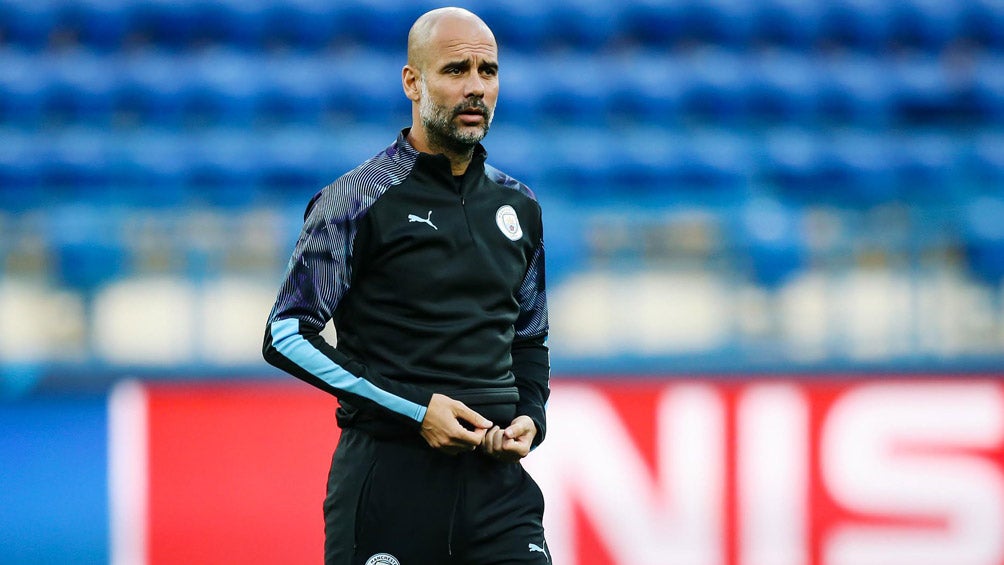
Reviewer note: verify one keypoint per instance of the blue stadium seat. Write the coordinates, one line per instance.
(585, 25)
(519, 101)
(345, 146)
(666, 168)
(97, 24)
(366, 87)
(155, 88)
(236, 23)
(516, 150)
(646, 86)
(988, 88)
(575, 89)
(520, 26)
(717, 92)
(984, 233)
(984, 159)
(151, 167)
(727, 23)
(86, 265)
(929, 169)
(291, 163)
(923, 91)
(380, 24)
(784, 86)
(84, 88)
(296, 88)
(227, 88)
(984, 21)
(305, 25)
(579, 165)
(856, 90)
(653, 23)
(567, 240)
(225, 167)
(25, 85)
(772, 236)
(86, 246)
(928, 25)
(78, 163)
(21, 163)
(793, 24)
(791, 163)
(28, 25)
(647, 164)
(167, 23)
(858, 170)
(716, 168)
(859, 24)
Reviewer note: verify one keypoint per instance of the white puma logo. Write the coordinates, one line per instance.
(535, 547)
(414, 218)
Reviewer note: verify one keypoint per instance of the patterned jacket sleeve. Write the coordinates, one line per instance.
(316, 278)
(530, 356)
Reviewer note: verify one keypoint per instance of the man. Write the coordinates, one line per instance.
(430, 264)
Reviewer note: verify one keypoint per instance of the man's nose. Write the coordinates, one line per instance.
(475, 85)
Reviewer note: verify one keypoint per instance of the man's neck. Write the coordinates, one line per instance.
(459, 161)
(458, 164)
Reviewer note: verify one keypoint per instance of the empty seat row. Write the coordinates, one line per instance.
(227, 86)
(152, 168)
(82, 245)
(313, 24)
(221, 86)
(776, 85)
(591, 165)
(112, 24)
(765, 238)
(856, 168)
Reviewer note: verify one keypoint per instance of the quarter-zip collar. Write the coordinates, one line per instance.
(437, 167)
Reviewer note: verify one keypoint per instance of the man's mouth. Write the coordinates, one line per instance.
(471, 115)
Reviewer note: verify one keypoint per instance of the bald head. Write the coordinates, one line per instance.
(442, 27)
(452, 81)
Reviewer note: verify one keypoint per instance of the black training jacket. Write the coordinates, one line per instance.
(434, 284)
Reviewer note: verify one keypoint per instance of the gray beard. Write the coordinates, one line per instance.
(442, 130)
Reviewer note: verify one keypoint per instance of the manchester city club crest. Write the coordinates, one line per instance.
(508, 222)
(382, 559)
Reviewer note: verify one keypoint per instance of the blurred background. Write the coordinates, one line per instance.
(730, 187)
(727, 184)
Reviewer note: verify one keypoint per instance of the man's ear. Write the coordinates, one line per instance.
(410, 77)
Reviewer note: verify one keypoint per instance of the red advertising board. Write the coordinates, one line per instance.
(233, 474)
(687, 472)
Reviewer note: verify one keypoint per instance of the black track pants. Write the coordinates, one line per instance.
(403, 502)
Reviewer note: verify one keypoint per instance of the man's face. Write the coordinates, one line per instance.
(458, 127)
(459, 88)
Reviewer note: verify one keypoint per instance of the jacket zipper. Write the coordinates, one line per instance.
(467, 219)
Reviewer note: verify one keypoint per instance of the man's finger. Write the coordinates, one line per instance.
(468, 415)
(518, 428)
(493, 441)
(468, 438)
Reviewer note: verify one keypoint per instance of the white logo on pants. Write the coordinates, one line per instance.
(382, 559)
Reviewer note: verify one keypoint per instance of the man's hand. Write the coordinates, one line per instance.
(442, 428)
(512, 443)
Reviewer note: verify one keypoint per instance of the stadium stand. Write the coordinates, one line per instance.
(25, 83)
(985, 239)
(788, 24)
(790, 132)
